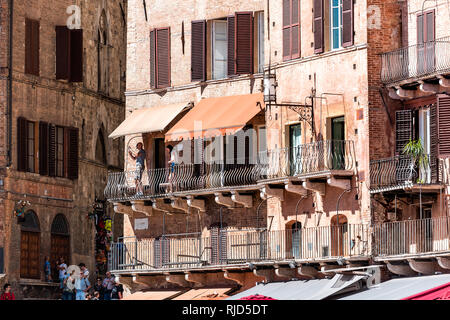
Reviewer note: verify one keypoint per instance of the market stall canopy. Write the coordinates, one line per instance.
(152, 295)
(217, 116)
(147, 120)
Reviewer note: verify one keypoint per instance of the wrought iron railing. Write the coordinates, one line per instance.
(232, 247)
(412, 237)
(416, 61)
(309, 158)
(402, 171)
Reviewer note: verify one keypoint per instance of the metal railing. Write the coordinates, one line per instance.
(416, 61)
(232, 247)
(412, 237)
(402, 171)
(309, 158)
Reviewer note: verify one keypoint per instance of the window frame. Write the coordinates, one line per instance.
(31, 141)
(58, 145)
(339, 28)
(213, 47)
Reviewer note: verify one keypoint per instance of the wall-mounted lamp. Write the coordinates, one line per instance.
(270, 87)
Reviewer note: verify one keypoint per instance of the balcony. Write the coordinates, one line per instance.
(402, 172)
(416, 62)
(230, 248)
(412, 237)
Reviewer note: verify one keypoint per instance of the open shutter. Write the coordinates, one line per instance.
(287, 29)
(153, 59)
(43, 148)
(404, 10)
(73, 154)
(76, 55)
(52, 150)
(433, 143)
(244, 42)
(62, 52)
(318, 26)
(403, 129)
(295, 29)
(347, 23)
(231, 46)
(22, 133)
(443, 105)
(163, 57)
(32, 47)
(198, 51)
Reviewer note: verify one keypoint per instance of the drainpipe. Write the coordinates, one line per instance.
(10, 65)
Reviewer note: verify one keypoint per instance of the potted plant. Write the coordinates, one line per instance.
(415, 149)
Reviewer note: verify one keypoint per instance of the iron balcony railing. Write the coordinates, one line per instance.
(402, 171)
(415, 61)
(412, 237)
(231, 247)
(309, 158)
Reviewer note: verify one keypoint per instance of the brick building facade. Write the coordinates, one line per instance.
(63, 79)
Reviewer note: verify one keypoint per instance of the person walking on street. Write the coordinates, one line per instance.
(108, 284)
(69, 286)
(62, 268)
(47, 270)
(82, 286)
(7, 293)
(98, 287)
(140, 166)
(117, 291)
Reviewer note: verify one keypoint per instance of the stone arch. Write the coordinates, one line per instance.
(100, 147)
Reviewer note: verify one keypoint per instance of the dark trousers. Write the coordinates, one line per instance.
(107, 295)
(67, 295)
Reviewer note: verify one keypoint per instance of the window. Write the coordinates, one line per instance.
(336, 23)
(32, 47)
(260, 34)
(291, 29)
(30, 146)
(69, 54)
(160, 58)
(60, 151)
(219, 49)
(26, 150)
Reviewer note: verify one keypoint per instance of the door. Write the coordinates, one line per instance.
(425, 43)
(295, 148)
(339, 236)
(338, 143)
(59, 247)
(296, 230)
(219, 247)
(160, 155)
(30, 255)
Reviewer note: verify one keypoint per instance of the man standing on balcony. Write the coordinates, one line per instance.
(140, 166)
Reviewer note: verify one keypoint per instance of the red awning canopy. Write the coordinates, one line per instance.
(438, 293)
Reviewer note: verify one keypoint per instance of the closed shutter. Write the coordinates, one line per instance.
(73, 154)
(291, 29)
(43, 148)
(244, 42)
(403, 129)
(153, 59)
(32, 47)
(198, 51)
(22, 134)
(231, 46)
(443, 105)
(404, 10)
(318, 26)
(62, 53)
(52, 150)
(433, 144)
(76, 55)
(347, 23)
(163, 57)
(287, 29)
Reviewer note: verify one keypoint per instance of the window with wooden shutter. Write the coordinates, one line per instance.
(43, 148)
(52, 150)
(291, 29)
(73, 154)
(318, 26)
(198, 50)
(347, 23)
(403, 129)
(153, 59)
(31, 158)
(244, 42)
(60, 152)
(69, 54)
(433, 143)
(163, 57)
(32, 47)
(231, 46)
(219, 49)
(22, 133)
(443, 114)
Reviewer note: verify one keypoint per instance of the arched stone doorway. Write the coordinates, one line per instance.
(30, 238)
(339, 236)
(60, 242)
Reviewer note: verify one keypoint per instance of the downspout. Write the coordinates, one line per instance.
(10, 64)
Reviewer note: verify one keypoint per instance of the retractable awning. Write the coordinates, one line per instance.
(217, 116)
(147, 120)
(152, 295)
(316, 289)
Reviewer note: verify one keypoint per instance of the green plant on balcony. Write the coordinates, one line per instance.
(415, 149)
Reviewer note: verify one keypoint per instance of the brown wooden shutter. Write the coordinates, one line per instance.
(347, 23)
(231, 46)
(403, 129)
(433, 144)
(287, 29)
(52, 150)
(295, 29)
(404, 10)
(163, 57)
(318, 26)
(73, 154)
(43, 148)
(198, 51)
(443, 111)
(62, 52)
(32, 47)
(153, 59)
(76, 55)
(244, 42)
(22, 144)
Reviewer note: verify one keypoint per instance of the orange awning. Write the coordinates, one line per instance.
(216, 116)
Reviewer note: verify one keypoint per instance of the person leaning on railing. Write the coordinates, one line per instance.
(140, 166)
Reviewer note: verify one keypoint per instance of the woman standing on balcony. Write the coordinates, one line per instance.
(140, 166)
(172, 162)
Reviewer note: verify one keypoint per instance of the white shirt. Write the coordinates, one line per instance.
(174, 156)
(62, 271)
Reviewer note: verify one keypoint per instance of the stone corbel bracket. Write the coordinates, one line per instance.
(444, 82)
(196, 203)
(198, 279)
(139, 207)
(180, 204)
(223, 200)
(295, 188)
(318, 187)
(343, 184)
(428, 87)
(123, 209)
(268, 191)
(245, 200)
